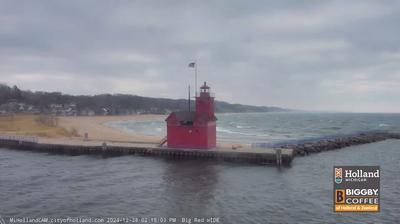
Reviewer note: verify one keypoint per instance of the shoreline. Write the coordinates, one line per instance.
(98, 132)
(107, 140)
(96, 128)
(66, 129)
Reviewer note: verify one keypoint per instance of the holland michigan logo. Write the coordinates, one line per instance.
(356, 189)
(338, 175)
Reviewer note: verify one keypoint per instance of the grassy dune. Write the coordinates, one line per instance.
(33, 125)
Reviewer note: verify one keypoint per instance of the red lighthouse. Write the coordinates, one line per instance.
(186, 129)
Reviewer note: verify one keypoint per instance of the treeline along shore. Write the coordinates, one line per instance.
(15, 100)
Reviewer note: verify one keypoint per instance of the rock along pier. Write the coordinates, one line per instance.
(308, 147)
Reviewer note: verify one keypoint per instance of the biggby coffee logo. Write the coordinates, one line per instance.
(339, 196)
(338, 175)
(356, 188)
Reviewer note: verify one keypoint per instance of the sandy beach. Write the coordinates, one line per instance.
(67, 130)
(97, 130)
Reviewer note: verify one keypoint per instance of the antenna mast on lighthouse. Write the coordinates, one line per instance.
(194, 65)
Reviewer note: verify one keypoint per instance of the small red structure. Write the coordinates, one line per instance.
(197, 130)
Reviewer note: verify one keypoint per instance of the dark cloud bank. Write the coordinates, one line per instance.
(316, 55)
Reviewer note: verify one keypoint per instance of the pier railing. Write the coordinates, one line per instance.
(22, 138)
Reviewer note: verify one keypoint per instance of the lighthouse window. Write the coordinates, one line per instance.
(188, 123)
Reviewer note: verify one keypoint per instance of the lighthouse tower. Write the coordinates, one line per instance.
(205, 102)
(197, 130)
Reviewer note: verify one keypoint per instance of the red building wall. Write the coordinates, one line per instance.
(212, 134)
(181, 136)
(205, 105)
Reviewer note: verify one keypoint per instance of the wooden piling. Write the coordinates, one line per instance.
(278, 157)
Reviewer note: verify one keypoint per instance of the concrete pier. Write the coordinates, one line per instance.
(257, 156)
(267, 156)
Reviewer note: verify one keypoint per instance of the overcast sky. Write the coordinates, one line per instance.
(313, 55)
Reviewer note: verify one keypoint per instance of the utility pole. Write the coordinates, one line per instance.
(194, 65)
(189, 97)
(195, 78)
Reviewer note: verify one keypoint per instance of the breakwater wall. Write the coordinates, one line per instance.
(315, 146)
(265, 157)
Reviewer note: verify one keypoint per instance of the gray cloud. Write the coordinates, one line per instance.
(328, 55)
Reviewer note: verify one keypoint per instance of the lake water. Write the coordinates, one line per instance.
(48, 185)
(279, 127)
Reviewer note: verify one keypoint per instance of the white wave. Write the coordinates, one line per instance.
(383, 125)
(223, 130)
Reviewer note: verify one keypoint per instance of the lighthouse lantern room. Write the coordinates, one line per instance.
(197, 130)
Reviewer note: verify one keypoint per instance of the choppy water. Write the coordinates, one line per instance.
(278, 127)
(48, 185)
(45, 185)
